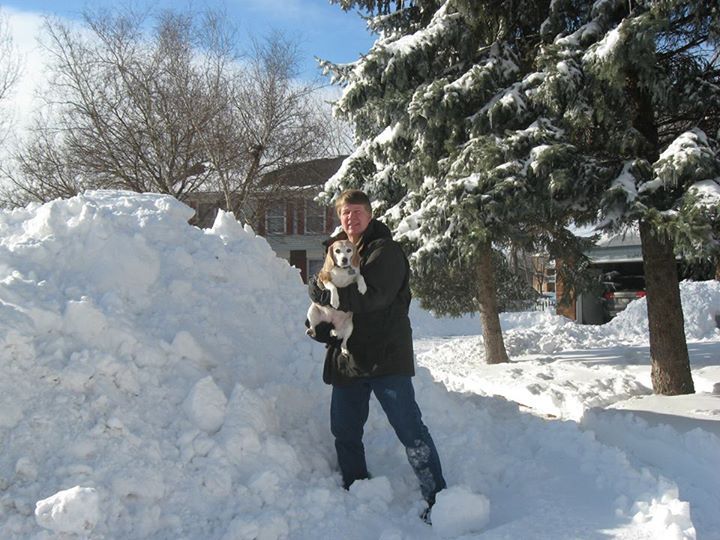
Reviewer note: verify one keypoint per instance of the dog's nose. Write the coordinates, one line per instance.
(344, 260)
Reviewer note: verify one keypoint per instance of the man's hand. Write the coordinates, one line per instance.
(322, 333)
(318, 295)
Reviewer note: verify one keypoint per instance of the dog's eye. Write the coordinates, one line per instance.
(337, 250)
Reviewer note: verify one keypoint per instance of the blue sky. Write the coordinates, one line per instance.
(319, 29)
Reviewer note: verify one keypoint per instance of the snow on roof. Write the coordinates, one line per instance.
(314, 172)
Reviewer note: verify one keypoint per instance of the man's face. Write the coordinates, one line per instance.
(354, 219)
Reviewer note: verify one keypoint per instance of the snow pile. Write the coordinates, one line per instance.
(123, 330)
(425, 323)
(667, 518)
(458, 511)
(157, 383)
(701, 310)
(544, 375)
(671, 443)
(74, 510)
(549, 334)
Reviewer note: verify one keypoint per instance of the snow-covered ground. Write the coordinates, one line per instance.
(156, 382)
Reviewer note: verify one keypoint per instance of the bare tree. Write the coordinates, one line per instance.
(131, 122)
(276, 120)
(130, 108)
(174, 112)
(43, 170)
(339, 139)
(9, 66)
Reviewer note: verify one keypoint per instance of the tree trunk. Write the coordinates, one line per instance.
(492, 334)
(668, 349)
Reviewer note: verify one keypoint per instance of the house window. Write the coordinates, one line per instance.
(314, 218)
(275, 219)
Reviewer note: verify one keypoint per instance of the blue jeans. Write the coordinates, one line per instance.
(349, 412)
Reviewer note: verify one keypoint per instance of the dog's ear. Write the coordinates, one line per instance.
(355, 261)
(328, 265)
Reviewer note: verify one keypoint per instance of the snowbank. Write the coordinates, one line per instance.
(542, 332)
(156, 364)
(425, 323)
(553, 333)
(544, 374)
(156, 383)
(701, 310)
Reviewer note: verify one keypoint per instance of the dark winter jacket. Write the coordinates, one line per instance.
(381, 341)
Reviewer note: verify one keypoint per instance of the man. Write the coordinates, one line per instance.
(381, 358)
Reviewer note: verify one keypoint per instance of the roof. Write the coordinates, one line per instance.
(628, 237)
(618, 247)
(615, 254)
(308, 173)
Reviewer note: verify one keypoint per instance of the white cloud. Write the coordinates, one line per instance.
(25, 27)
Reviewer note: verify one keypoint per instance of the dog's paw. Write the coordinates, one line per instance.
(335, 301)
(310, 332)
(362, 287)
(345, 352)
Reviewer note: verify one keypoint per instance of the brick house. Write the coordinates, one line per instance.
(285, 213)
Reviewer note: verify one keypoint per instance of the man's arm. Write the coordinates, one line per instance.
(317, 294)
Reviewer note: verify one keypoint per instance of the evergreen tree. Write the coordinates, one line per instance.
(450, 145)
(452, 289)
(636, 87)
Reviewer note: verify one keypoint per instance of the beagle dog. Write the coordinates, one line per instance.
(341, 268)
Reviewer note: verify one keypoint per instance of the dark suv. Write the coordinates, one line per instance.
(620, 290)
